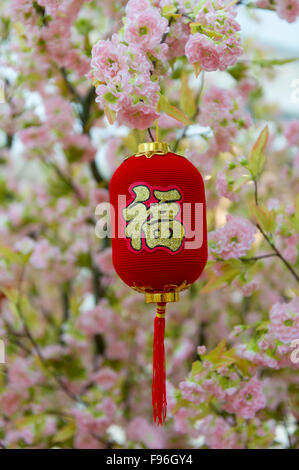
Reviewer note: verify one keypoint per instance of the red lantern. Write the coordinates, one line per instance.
(159, 236)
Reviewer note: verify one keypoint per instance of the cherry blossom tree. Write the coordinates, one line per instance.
(83, 82)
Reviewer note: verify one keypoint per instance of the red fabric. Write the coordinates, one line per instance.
(159, 401)
(158, 268)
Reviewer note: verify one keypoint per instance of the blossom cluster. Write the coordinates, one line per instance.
(215, 43)
(224, 112)
(234, 239)
(286, 9)
(78, 342)
(123, 68)
(49, 29)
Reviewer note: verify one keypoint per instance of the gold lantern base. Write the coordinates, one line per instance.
(154, 297)
(169, 294)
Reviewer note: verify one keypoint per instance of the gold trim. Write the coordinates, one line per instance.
(169, 294)
(161, 297)
(160, 315)
(152, 147)
(149, 149)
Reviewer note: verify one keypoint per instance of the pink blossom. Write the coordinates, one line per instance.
(15, 435)
(108, 60)
(10, 402)
(123, 82)
(139, 429)
(59, 113)
(95, 320)
(108, 407)
(85, 440)
(201, 350)
(177, 38)
(145, 27)
(217, 433)
(234, 239)
(222, 187)
(288, 9)
(181, 420)
(21, 376)
(88, 424)
(284, 321)
(193, 392)
(202, 50)
(290, 253)
(105, 377)
(99, 195)
(223, 111)
(291, 132)
(43, 254)
(105, 261)
(181, 353)
(273, 204)
(111, 153)
(35, 137)
(50, 427)
(21, 10)
(24, 245)
(247, 400)
(51, 5)
(250, 287)
(15, 212)
(168, 122)
(140, 116)
(116, 348)
(220, 49)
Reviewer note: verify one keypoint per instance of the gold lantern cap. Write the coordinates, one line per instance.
(152, 148)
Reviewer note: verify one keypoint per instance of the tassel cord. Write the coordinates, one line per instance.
(159, 371)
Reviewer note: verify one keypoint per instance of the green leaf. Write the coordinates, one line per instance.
(110, 114)
(197, 69)
(168, 10)
(196, 368)
(83, 26)
(256, 159)
(230, 270)
(238, 71)
(66, 432)
(265, 218)
(10, 255)
(187, 97)
(271, 62)
(172, 111)
(240, 182)
(73, 153)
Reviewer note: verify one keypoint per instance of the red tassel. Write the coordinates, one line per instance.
(159, 374)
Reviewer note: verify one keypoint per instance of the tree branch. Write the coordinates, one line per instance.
(270, 242)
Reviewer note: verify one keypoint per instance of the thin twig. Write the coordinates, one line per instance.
(273, 246)
(164, 37)
(269, 241)
(67, 180)
(70, 86)
(150, 134)
(256, 258)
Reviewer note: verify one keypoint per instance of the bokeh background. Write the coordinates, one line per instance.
(78, 342)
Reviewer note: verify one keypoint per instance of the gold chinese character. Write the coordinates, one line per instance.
(157, 224)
